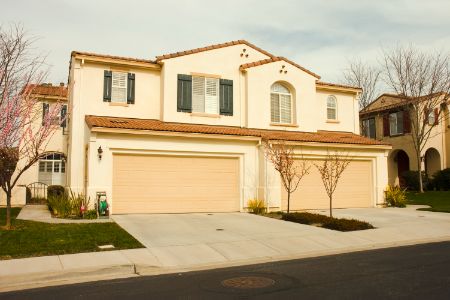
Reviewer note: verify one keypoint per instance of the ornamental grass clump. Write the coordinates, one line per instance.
(256, 206)
(395, 196)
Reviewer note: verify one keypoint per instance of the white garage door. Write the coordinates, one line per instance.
(354, 189)
(174, 184)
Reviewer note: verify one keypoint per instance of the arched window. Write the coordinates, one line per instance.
(280, 104)
(52, 169)
(331, 108)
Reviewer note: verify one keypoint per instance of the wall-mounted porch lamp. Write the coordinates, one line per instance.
(100, 152)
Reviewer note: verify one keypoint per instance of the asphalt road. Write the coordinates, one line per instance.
(413, 272)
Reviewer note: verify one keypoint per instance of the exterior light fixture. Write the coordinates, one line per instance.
(100, 152)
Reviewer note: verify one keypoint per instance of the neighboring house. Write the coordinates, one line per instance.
(388, 119)
(51, 168)
(183, 133)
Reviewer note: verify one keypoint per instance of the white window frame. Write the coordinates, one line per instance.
(47, 166)
(205, 95)
(366, 127)
(431, 117)
(394, 124)
(116, 89)
(282, 119)
(335, 108)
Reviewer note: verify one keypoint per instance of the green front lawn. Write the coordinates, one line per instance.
(439, 201)
(29, 238)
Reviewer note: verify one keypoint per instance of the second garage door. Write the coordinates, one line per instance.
(353, 190)
(174, 184)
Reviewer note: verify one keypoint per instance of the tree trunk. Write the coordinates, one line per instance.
(288, 200)
(8, 210)
(331, 206)
(419, 168)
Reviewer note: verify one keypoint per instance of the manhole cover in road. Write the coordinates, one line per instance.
(248, 282)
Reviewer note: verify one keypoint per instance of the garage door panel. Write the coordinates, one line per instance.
(173, 184)
(354, 189)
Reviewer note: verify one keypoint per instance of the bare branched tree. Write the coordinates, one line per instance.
(330, 171)
(424, 81)
(23, 134)
(291, 170)
(365, 76)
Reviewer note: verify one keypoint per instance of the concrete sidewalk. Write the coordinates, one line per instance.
(180, 243)
(40, 213)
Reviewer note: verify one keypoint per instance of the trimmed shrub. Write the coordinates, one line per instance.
(55, 190)
(441, 180)
(346, 224)
(395, 196)
(256, 206)
(69, 205)
(28, 195)
(90, 214)
(60, 205)
(326, 221)
(305, 218)
(412, 180)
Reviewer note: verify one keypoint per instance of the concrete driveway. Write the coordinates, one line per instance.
(222, 239)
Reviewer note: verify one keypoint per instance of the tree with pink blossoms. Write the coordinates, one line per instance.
(24, 130)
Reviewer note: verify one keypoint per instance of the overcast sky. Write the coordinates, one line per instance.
(319, 35)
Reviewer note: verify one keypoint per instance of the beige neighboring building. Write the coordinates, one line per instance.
(51, 169)
(387, 119)
(183, 133)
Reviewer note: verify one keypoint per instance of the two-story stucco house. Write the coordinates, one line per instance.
(183, 133)
(387, 119)
(50, 169)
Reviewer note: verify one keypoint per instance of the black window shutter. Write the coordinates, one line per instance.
(63, 116)
(226, 97)
(45, 108)
(107, 82)
(130, 88)
(406, 122)
(372, 128)
(386, 131)
(184, 93)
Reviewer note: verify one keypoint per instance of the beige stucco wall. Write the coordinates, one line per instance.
(347, 112)
(156, 98)
(86, 98)
(438, 140)
(223, 62)
(100, 171)
(377, 157)
(55, 143)
(258, 81)
(258, 179)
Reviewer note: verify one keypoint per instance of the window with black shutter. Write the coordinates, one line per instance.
(184, 93)
(226, 97)
(45, 109)
(119, 87)
(64, 116)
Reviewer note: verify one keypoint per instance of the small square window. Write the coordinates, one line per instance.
(56, 167)
(41, 166)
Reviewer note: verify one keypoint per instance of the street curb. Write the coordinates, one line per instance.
(42, 279)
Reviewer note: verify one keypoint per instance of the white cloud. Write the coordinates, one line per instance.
(321, 35)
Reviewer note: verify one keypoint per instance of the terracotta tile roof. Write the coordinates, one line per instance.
(211, 47)
(274, 59)
(156, 125)
(321, 83)
(49, 90)
(112, 57)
